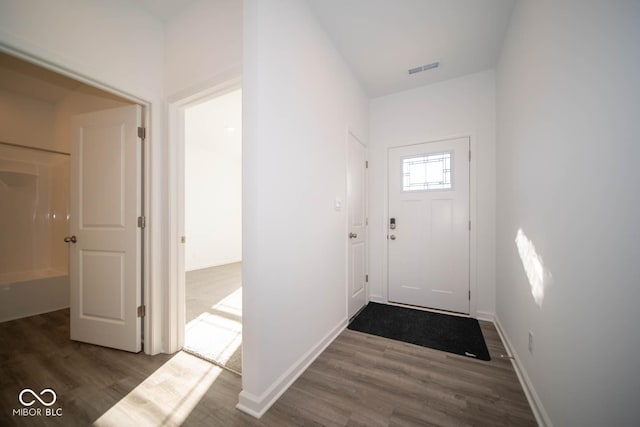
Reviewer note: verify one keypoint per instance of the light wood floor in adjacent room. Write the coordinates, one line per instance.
(214, 315)
(360, 380)
(208, 286)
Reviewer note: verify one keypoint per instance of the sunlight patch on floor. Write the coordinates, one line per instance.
(217, 333)
(231, 304)
(166, 397)
(539, 277)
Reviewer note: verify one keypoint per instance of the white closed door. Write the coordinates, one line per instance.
(357, 228)
(428, 235)
(105, 247)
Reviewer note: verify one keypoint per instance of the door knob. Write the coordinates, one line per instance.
(392, 237)
(353, 235)
(71, 239)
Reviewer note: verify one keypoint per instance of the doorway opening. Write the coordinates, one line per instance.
(213, 230)
(72, 162)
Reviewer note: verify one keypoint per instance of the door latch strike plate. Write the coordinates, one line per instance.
(141, 311)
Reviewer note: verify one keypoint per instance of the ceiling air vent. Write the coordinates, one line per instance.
(424, 67)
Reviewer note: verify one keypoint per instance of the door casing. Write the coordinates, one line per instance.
(176, 192)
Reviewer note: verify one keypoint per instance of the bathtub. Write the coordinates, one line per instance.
(24, 294)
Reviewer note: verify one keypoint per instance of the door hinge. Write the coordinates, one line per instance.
(469, 155)
(142, 311)
(142, 222)
(366, 221)
(469, 295)
(366, 278)
(366, 164)
(142, 132)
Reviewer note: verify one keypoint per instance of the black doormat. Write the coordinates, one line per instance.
(454, 334)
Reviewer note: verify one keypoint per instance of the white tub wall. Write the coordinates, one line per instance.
(59, 211)
(26, 227)
(25, 239)
(29, 282)
(25, 120)
(25, 187)
(31, 297)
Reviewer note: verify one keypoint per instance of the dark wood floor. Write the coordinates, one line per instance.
(359, 380)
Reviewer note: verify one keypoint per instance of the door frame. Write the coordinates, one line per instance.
(176, 106)
(473, 303)
(152, 321)
(351, 132)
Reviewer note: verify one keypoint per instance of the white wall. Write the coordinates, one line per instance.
(26, 121)
(203, 46)
(299, 98)
(458, 107)
(213, 182)
(567, 152)
(119, 45)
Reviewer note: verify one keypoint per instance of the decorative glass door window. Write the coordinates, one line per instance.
(427, 172)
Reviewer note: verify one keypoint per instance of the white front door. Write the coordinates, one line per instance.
(105, 267)
(428, 232)
(357, 229)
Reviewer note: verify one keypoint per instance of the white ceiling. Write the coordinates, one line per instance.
(164, 9)
(382, 39)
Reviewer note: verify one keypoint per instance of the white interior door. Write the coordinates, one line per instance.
(357, 229)
(105, 267)
(428, 242)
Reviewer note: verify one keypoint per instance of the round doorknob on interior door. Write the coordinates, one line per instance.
(353, 235)
(70, 239)
(392, 237)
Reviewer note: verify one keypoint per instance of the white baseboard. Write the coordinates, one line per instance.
(256, 406)
(218, 263)
(485, 315)
(376, 298)
(534, 400)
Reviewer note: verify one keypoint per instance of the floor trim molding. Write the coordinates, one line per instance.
(256, 406)
(485, 315)
(534, 401)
